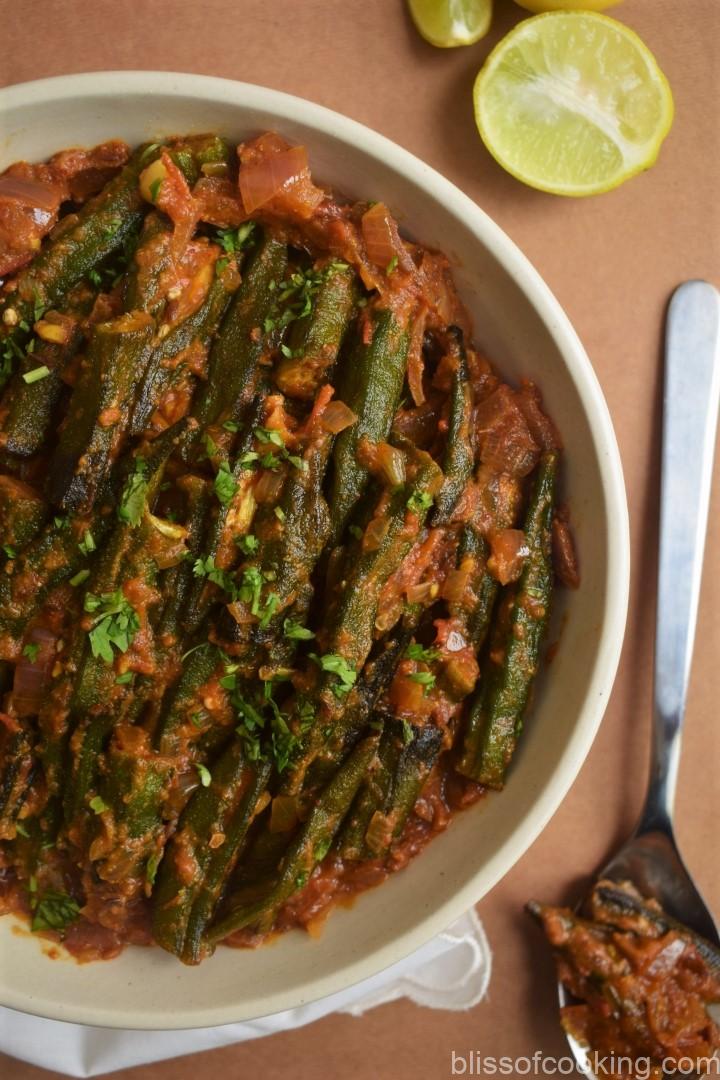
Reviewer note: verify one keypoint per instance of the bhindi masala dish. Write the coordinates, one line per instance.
(278, 546)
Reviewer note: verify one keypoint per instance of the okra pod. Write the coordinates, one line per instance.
(224, 810)
(407, 754)
(99, 410)
(23, 513)
(16, 768)
(100, 228)
(198, 328)
(459, 456)
(309, 847)
(370, 383)
(315, 340)
(496, 714)
(241, 342)
(29, 403)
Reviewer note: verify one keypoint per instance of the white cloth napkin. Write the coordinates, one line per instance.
(451, 972)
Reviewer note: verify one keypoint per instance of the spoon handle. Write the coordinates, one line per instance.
(690, 413)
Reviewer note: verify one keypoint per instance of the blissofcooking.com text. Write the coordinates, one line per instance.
(473, 1063)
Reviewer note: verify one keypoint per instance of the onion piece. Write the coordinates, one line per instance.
(375, 533)
(32, 676)
(284, 813)
(30, 192)
(382, 240)
(261, 181)
(268, 486)
(336, 417)
(391, 463)
(419, 594)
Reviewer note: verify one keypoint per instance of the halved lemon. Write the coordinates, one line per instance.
(448, 23)
(567, 5)
(572, 103)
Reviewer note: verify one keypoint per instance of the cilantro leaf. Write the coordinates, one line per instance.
(337, 665)
(420, 501)
(134, 495)
(54, 911)
(203, 773)
(98, 805)
(225, 484)
(296, 632)
(418, 652)
(115, 624)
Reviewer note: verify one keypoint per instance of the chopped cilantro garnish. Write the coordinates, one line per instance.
(87, 544)
(408, 733)
(98, 805)
(279, 513)
(269, 435)
(125, 678)
(53, 910)
(248, 543)
(31, 651)
(231, 425)
(419, 652)
(9, 551)
(337, 665)
(203, 773)
(152, 867)
(134, 495)
(296, 632)
(207, 568)
(82, 575)
(225, 484)
(115, 624)
(424, 678)
(419, 501)
(36, 374)
(392, 265)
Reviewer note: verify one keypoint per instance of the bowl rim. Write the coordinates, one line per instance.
(290, 108)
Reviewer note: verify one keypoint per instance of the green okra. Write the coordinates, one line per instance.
(370, 383)
(496, 713)
(164, 364)
(241, 341)
(315, 340)
(308, 848)
(99, 229)
(99, 410)
(224, 809)
(459, 455)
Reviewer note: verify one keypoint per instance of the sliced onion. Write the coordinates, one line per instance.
(391, 462)
(261, 181)
(268, 486)
(336, 417)
(375, 533)
(30, 192)
(168, 528)
(379, 833)
(456, 584)
(420, 594)
(32, 676)
(284, 813)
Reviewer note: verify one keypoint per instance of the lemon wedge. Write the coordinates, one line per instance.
(567, 5)
(572, 103)
(448, 23)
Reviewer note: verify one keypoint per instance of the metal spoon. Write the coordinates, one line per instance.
(650, 858)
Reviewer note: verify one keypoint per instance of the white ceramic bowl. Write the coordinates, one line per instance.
(521, 326)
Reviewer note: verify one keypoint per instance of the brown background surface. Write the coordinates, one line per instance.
(612, 261)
